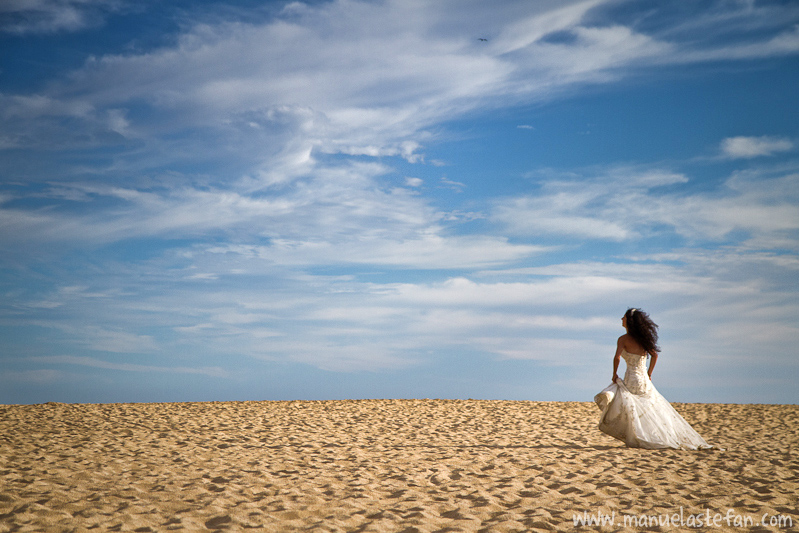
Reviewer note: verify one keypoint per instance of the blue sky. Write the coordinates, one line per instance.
(364, 199)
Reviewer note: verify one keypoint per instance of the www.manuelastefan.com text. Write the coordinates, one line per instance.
(707, 518)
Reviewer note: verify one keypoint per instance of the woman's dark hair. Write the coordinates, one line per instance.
(642, 329)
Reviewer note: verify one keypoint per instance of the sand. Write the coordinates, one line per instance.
(383, 465)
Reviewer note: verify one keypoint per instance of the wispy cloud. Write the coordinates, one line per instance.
(338, 217)
(540, 313)
(51, 16)
(44, 376)
(125, 367)
(625, 203)
(401, 69)
(749, 147)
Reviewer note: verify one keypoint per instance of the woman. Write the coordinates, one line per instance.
(632, 409)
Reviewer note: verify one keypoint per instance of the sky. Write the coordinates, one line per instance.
(338, 199)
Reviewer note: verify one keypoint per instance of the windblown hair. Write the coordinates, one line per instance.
(642, 329)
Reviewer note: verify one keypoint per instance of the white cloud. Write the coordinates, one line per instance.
(601, 207)
(425, 251)
(125, 367)
(725, 302)
(40, 377)
(116, 340)
(341, 77)
(369, 92)
(556, 214)
(623, 204)
(338, 217)
(785, 43)
(347, 324)
(362, 78)
(555, 291)
(51, 16)
(451, 184)
(749, 147)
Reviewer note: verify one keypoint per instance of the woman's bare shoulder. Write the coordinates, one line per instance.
(629, 344)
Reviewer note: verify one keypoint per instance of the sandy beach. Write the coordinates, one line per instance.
(384, 465)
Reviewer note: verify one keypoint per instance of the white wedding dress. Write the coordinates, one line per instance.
(634, 411)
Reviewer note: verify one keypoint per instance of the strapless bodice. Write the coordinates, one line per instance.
(635, 378)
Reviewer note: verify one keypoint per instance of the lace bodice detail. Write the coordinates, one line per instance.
(636, 378)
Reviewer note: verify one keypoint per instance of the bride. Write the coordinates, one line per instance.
(633, 410)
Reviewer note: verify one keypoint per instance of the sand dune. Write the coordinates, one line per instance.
(381, 465)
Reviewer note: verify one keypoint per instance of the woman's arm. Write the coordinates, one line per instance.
(654, 360)
(616, 359)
